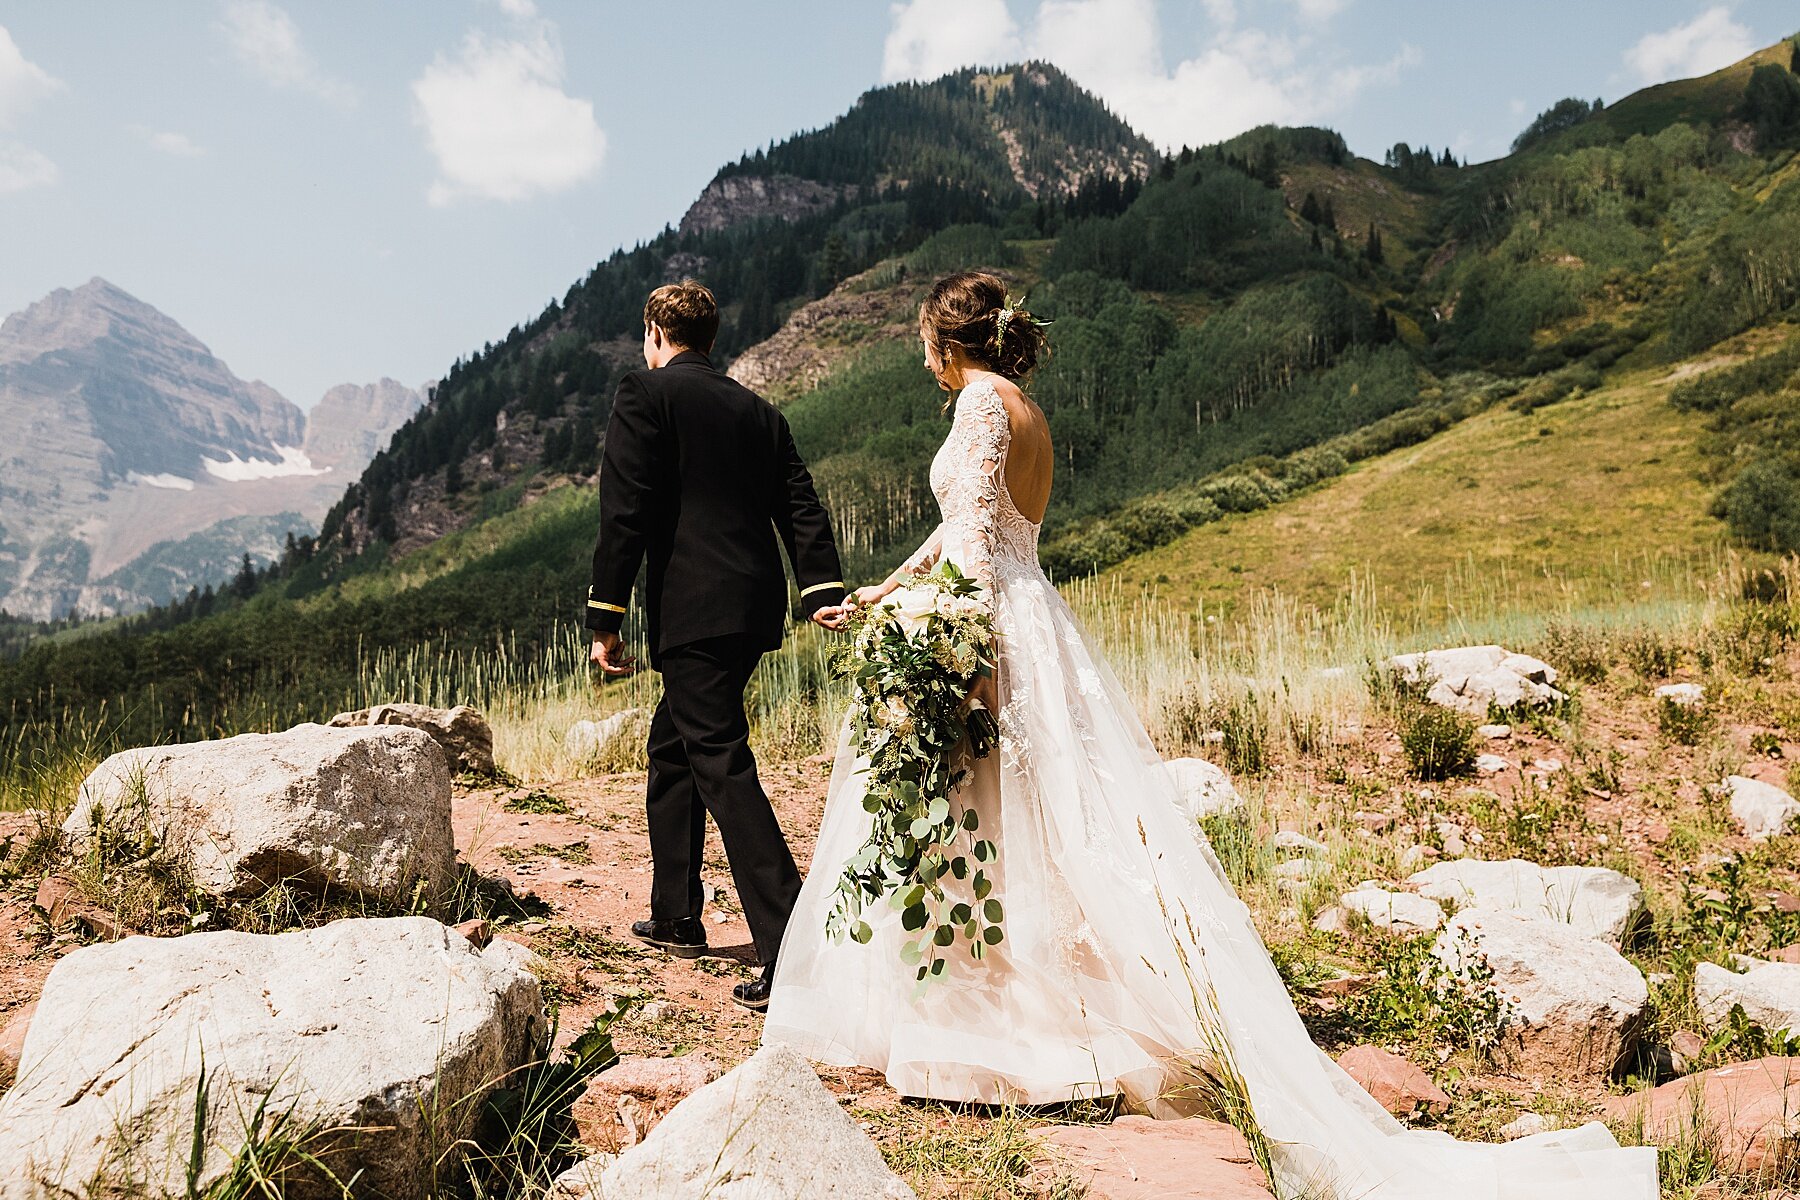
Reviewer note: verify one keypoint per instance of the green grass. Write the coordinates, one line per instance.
(1566, 507)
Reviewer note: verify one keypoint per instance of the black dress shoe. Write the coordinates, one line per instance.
(684, 937)
(755, 994)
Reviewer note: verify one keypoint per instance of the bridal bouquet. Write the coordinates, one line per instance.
(914, 660)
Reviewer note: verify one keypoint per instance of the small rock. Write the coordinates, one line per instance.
(1548, 766)
(623, 1104)
(1761, 810)
(787, 1138)
(1374, 822)
(1682, 695)
(54, 896)
(1344, 985)
(1396, 1084)
(1787, 954)
(1300, 869)
(1490, 764)
(1769, 992)
(461, 732)
(1493, 733)
(1395, 912)
(1525, 1125)
(1293, 842)
(12, 1041)
(1203, 789)
(1334, 918)
(1416, 856)
(1685, 1049)
(588, 740)
(479, 932)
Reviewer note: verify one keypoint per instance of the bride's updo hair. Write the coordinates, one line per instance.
(965, 309)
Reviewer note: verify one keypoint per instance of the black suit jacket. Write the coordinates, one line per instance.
(699, 476)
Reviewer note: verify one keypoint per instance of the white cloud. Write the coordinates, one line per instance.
(1223, 12)
(265, 39)
(177, 145)
(930, 38)
(1244, 77)
(22, 82)
(498, 122)
(21, 167)
(1700, 47)
(523, 10)
(1320, 11)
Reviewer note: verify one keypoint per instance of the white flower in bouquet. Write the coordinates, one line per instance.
(912, 605)
(895, 715)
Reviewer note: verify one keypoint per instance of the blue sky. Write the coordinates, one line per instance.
(330, 191)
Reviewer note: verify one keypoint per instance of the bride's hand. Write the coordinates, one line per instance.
(874, 593)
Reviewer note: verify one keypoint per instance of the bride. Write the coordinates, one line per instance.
(1129, 968)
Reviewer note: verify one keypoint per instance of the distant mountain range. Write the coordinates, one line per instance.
(134, 464)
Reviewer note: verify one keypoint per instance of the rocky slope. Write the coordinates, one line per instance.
(123, 432)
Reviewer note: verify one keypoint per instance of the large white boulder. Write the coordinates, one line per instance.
(1597, 902)
(363, 810)
(1205, 789)
(1575, 1006)
(461, 732)
(1395, 912)
(767, 1131)
(1761, 810)
(1769, 992)
(1470, 679)
(373, 1039)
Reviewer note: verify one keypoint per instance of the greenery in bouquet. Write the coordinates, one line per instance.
(914, 660)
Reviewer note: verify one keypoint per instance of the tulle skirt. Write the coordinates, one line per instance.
(1129, 966)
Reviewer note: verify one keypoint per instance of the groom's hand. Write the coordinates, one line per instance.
(608, 653)
(833, 617)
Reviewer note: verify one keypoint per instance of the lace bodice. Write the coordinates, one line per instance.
(982, 530)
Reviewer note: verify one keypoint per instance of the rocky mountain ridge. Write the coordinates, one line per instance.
(123, 433)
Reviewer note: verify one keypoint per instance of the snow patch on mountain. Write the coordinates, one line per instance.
(294, 461)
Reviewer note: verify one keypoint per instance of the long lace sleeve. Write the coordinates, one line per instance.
(924, 558)
(982, 433)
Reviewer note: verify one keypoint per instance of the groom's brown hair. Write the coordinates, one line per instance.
(686, 313)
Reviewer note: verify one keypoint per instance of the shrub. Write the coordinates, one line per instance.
(1414, 999)
(1579, 651)
(1439, 743)
(1762, 505)
(1243, 493)
(1650, 653)
(1246, 728)
(1683, 724)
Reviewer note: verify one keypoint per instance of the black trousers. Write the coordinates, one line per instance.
(700, 762)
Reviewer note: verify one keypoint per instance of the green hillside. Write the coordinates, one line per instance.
(1275, 363)
(1562, 506)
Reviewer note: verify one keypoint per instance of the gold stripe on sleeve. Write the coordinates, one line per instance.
(820, 587)
(605, 607)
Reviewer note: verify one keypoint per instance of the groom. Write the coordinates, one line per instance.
(700, 477)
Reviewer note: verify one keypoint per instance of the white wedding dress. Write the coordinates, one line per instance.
(1129, 962)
